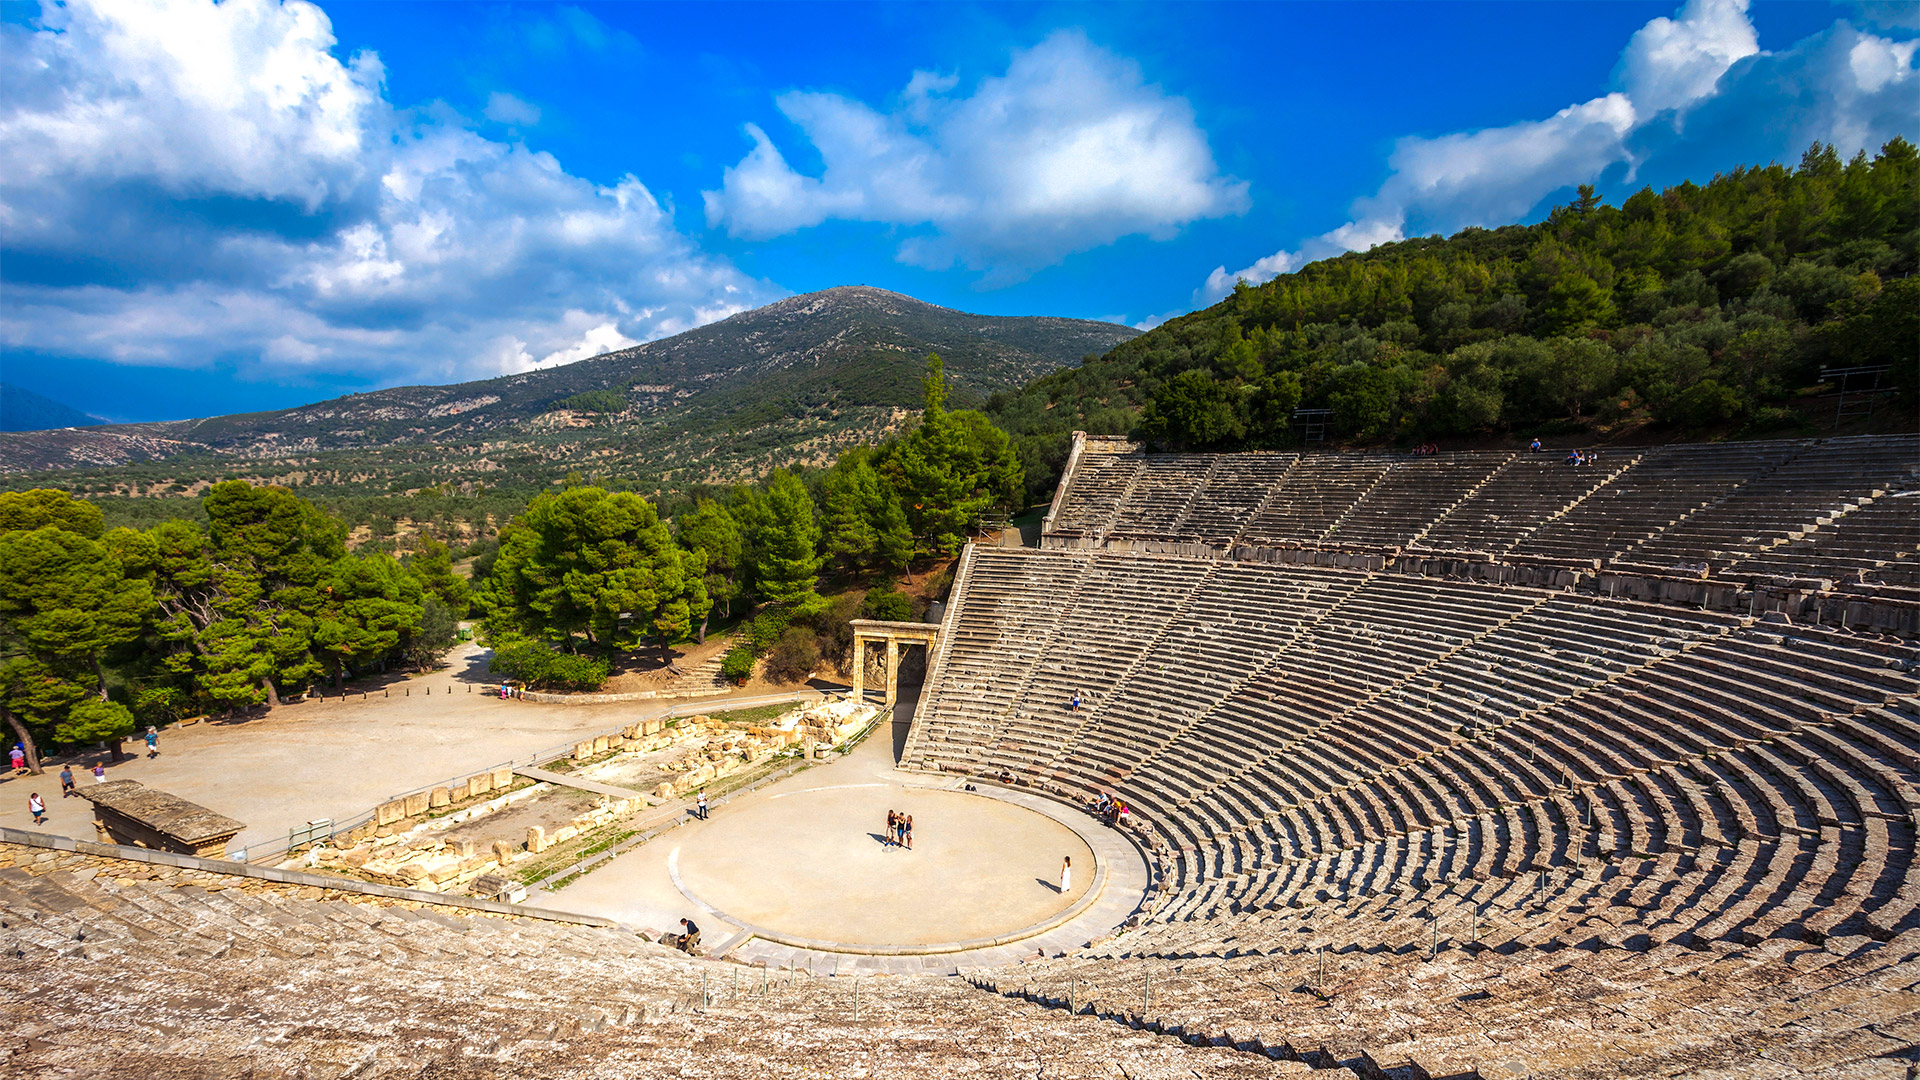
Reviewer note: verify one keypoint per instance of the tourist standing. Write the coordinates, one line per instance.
(66, 782)
(893, 827)
(153, 743)
(99, 772)
(1066, 875)
(703, 804)
(38, 807)
(19, 757)
(907, 832)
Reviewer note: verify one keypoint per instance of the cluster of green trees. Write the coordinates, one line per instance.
(594, 401)
(1702, 308)
(588, 572)
(102, 629)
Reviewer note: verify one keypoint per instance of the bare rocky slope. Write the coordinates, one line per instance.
(853, 351)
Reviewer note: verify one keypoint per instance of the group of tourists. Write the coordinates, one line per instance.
(899, 830)
(1108, 809)
(37, 806)
(1574, 457)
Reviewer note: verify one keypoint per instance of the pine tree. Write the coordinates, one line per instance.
(787, 544)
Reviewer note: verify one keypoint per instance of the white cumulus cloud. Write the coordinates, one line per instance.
(191, 181)
(1695, 94)
(1069, 150)
(504, 108)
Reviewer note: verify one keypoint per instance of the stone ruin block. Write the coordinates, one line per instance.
(599, 746)
(388, 813)
(440, 797)
(502, 778)
(664, 792)
(582, 751)
(537, 839)
(464, 848)
(481, 784)
(631, 731)
(502, 852)
(650, 727)
(565, 833)
(417, 803)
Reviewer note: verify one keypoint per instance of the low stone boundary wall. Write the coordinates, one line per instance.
(545, 698)
(45, 849)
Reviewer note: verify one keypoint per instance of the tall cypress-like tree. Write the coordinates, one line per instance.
(711, 533)
(950, 468)
(787, 545)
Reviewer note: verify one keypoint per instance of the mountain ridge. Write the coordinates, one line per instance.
(847, 347)
(23, 410)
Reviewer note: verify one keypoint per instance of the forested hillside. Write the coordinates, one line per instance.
(255, 594)
(1701, 310)
(745, 394)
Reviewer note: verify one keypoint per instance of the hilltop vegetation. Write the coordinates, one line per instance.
(794, 380)
(1703, 309)
(256, 594)
(793, 384)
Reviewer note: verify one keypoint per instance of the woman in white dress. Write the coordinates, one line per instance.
(1066, 875)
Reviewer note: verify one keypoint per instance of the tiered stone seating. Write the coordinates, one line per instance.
(1412, 494)
(1229, 629)
(1430, 1000)
(1160, 495)
(1517, 499)
(1820, 508)
(1808, 491)
(1513, 772)
(1487, 808)
(1100, 483)
(1314, 496)
(996, 634)
(1880, 539)
(1662, 487)
(115, 969)
(1236, 487)
(1120, 608)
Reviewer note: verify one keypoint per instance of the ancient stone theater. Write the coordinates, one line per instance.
(1464, 764)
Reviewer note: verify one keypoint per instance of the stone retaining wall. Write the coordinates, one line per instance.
(41, 854)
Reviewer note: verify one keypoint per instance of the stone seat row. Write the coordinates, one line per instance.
(149, 977)
(1771, 1010)
(1708, 504)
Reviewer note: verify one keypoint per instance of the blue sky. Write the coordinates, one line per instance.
(252, 205)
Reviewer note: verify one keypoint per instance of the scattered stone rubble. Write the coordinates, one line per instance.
(403, 845)
(728, 748)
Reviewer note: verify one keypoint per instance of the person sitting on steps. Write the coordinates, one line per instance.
(689, 939)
